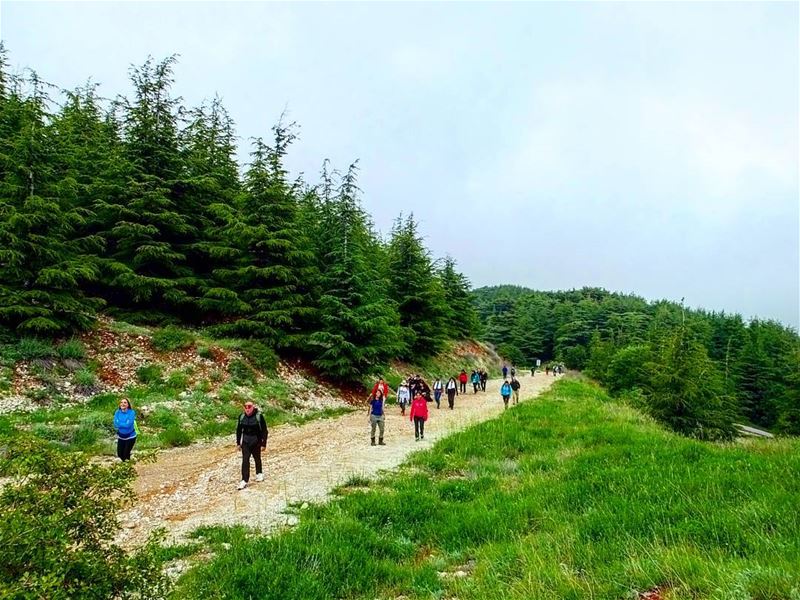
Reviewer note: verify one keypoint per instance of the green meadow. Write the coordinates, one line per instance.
(569, 495)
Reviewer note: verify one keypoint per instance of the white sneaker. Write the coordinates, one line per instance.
(259, 477)
(242, 485)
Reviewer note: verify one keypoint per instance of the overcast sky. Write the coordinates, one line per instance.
(645, 147)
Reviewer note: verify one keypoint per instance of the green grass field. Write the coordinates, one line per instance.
(570, 495)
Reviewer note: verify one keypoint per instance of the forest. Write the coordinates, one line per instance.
(695, 370)
(136, 207)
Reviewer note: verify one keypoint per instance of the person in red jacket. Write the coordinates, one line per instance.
(419, 414)
(462, 379)
(381, 385)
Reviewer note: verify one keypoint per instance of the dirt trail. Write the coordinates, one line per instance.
(190, 487)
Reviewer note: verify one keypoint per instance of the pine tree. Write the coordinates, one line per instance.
(360, 328)
(275, 274)
(418, 292)
(42, 265)
(461, 318)
(145, 226)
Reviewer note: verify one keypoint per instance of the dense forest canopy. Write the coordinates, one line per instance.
(138, 207)
(697, 370)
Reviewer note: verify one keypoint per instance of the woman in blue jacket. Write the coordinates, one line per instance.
(125, 424)
(505, 392)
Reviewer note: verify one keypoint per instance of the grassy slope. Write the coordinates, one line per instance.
(567, 496)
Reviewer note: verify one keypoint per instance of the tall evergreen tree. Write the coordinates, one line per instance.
(418, 292)
(360, 329)
(146, 227)
(461, 319)
(42, 264)
(275, 274)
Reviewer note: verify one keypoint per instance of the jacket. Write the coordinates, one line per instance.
(125, 423)
(505, 389)
(462, 378)
(383, 386)
(252, 426)
(515, 384)
(419, 408)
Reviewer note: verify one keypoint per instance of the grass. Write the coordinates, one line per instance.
(568, 496)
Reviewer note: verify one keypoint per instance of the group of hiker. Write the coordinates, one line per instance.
(413, 394)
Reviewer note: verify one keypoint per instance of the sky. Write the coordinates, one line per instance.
(644, 147)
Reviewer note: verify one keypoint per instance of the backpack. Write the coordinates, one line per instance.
(261, 434)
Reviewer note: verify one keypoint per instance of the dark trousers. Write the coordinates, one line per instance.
(475, 387)
(419, 427)
(124, 448)
(451, 398)
(483, 385)
(250, 449)
(463, 385)
(437, 395)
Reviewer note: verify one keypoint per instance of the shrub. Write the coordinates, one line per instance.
(177, 380)
(85, 436)
(84, 378)
(73, 349)
(175, 436)
(163, 418)
(241, 372)
(30, 349)
(150, 373)
(205, 352)
(172, 338)
(259, 355)
(64, 551)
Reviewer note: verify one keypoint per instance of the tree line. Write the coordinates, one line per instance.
(137, 207)
(695, 370)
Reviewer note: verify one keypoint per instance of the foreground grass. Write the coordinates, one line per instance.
(566, 496)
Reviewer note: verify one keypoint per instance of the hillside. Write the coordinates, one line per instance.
(186, 385)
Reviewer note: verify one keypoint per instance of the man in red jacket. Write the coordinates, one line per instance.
(419, 414)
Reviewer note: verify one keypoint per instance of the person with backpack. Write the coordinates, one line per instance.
(377, 417)
(462, 379)
(484, 377)
(515, 385)
(505, 371)
(452, 390)
(513, 371)
(403, 397)
(419, 414)
(127, 429)
(251, 438)
(476, 382)
(438, 388)
(380, 385)
(505, 392)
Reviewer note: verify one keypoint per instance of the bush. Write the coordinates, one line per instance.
(177, 380)
(241, 372)
(62, 550)
(150, 373)
(205, 352)
(85, 436)
(175, 437)
(163, 418)
(84, 378)
(73, 349)
(28, 349)
(259, 355)
(172, 338)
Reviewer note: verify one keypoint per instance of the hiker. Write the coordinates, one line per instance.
(476, 381)
(419, 414)
(547, 370)
(484, 377)
(376, 417)
(515, 385)
(462, 379)
(403, 397)
(438, 388)
(251, 438)
(380, 385)
(452, 390)
(533, 371)
(505, 371)
(505, 392)
(513, 371)
(127, 429)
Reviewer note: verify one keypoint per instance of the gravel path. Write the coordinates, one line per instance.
(190, 487)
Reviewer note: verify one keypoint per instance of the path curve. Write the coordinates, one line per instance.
(195, 486)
